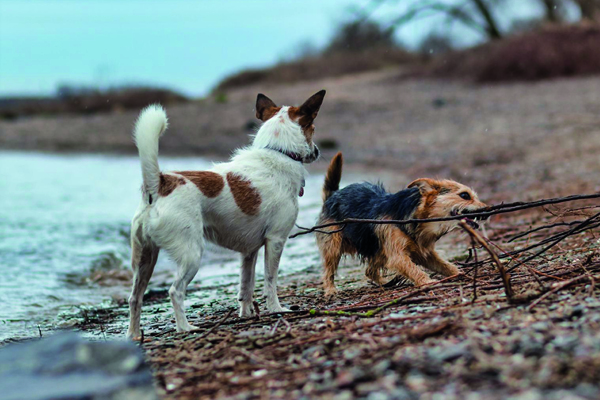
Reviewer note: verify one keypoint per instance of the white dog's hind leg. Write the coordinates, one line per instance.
(143, 260)
(273, 251)
(188, 263)
(247, 276)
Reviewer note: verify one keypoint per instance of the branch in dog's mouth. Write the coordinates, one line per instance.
(470, 221)
(483, 213)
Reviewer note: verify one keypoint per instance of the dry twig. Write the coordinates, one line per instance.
(557, 287)
(482, 213)
(505, 277)
(218, 324)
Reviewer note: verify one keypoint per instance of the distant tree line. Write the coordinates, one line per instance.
(480, 15)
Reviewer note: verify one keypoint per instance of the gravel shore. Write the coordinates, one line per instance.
(453, 340)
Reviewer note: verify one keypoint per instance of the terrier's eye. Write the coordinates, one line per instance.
(465, 196)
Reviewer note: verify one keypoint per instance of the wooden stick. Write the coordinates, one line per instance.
(505, 277)
(218, 324)
(482, 213)
(557, 287)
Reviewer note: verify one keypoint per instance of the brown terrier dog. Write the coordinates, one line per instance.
(395, 248)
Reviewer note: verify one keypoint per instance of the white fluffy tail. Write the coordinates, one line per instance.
(149, 126)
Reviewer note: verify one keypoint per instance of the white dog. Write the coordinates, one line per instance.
(243, 204)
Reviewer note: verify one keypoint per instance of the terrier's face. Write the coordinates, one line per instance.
(290, 129)
(446, 198)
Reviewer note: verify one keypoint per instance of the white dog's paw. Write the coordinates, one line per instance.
(277, 308)
(246, 310)
(135, 336)
(186, 327)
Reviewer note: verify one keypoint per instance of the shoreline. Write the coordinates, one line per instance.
(514, 142)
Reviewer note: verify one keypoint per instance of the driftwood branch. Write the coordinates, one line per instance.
(218, 324)
(554, 240)
(505, 276)
(559, 286)
(481, 213)
(375, 311)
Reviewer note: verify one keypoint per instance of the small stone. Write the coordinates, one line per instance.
(344, 395)
(351, 377)
(364, 389)
(259, 373)
(451, 353)
(535, 349)
(352, 353)
(540, 326)
(532, 394)
(565, 343)
(379, 396)
(416, 382)
(475, 314)
(588, 391)
(314, 352)
(381, 367)
(401, 393)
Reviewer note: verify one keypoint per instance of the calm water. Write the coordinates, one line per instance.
(64, 216)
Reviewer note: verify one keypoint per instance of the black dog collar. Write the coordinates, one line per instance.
(293, 156)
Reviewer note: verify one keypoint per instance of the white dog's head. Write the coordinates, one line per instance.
(289, 130)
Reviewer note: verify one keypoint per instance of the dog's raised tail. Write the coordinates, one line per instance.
(149, 126)
(333, 176)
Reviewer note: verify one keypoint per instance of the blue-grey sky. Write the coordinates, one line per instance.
(183, 44)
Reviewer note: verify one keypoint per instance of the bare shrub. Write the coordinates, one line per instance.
(356, 47)
(554, 51)
(87, 100)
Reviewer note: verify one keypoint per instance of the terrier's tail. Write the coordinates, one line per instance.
(333, 176)
(149, 126)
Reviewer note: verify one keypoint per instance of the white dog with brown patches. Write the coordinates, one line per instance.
(244, 204)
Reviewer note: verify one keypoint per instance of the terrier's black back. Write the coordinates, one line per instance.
(369, 201)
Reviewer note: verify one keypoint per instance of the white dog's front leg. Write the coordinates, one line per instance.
(273, 251)
(247, 274)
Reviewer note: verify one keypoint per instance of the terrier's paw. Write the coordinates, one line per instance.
(424, 282)
(452, 270)
(330, 294)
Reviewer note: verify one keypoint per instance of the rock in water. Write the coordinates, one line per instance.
(66, 366)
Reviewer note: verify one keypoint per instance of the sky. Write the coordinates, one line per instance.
(180, 44)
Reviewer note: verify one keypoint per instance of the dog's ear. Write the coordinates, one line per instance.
(311, 107)
(425, 185)
(263, 105)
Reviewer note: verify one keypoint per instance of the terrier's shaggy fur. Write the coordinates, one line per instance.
(244, 204)
(401, 249)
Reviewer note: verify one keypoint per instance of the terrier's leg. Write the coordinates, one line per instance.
(330, 247)
(394, 245)
(247, 276)
(402, 264)
(375, 267)
(436, 263)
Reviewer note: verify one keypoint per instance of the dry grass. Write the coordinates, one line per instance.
(552, 52)
(88, 102)
(318, 67)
